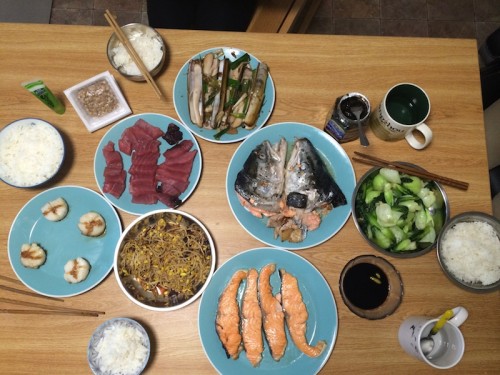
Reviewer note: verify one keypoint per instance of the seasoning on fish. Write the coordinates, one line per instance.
(296, 315)
(272, 314)
(251, 314)
(227, 321)
(55, 210)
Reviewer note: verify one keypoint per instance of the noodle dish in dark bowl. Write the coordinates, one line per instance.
(164, 260)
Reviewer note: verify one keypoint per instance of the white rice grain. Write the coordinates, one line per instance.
(31, 152)
(471, 251)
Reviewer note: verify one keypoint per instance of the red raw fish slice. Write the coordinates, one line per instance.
(186, 158)
(174, 188)
(178, 149)
(169, 200)
(166, 174)
(114, 174)
(151, 130)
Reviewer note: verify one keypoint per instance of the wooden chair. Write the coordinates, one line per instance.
(283, 16)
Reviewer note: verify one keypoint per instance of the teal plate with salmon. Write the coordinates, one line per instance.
(335, 161)
(124, 202)
(322, 323)
(63, 241)
(180, 94)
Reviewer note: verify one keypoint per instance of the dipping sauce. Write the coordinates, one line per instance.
(366, 286)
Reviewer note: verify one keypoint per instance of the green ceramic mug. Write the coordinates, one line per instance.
(401, 113)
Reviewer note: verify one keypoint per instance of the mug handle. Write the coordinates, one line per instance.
(460, 315)
(414, 142)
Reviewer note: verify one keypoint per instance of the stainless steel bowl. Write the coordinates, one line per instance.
(467, 217)
(144, 30)
(440, 216)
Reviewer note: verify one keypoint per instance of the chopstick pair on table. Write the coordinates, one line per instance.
(131, 51)
(404, 168)
(41, 309)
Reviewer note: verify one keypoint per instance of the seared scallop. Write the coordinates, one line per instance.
(32, 255)
(55, 210)
(76, 270)
(92, 224)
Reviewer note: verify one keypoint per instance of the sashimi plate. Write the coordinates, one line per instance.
(181, 99)
(124, 202)
(336, 161)
(63, 241)
(322, 323)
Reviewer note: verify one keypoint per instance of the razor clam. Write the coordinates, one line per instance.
(256, 96)
(195, 91)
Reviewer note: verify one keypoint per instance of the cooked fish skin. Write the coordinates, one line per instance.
(272, 314)
(251, 320)
(262, 178)
(296, 315)
(306, 174)
(227, 321)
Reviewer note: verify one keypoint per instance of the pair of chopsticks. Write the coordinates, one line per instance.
(403, 168)
(131, 51)
(45, 309)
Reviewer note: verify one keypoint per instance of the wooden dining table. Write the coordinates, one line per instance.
(309, 73)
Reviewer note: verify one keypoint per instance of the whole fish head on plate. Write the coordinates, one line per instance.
(308, 183)
(261, 181)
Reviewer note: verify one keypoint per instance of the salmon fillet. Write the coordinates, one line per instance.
(272, 314)
(296, 315)
(251, 314)
(227, 321)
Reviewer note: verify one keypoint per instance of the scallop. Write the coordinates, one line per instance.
(32, 255)
(76, 270)
(92, 224)
(55, 210)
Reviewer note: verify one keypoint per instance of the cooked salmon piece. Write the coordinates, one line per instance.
(272, 314)
(296, 315)
(251, 327)
(227, 321)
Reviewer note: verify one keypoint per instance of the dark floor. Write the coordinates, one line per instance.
(422, 18)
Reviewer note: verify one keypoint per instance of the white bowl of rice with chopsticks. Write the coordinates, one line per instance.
(164, 260)
(31, 152)
(468, 250)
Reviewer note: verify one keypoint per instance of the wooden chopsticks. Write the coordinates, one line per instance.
(46, 309)
(131, 51)
(378, 162)
(40, 309)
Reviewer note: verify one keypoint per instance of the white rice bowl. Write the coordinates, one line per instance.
(469, 251)
(31, 152)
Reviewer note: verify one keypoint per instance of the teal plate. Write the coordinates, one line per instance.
(337, 162)
(124, 202)
(181, 99)
(63, 241)
(322, 323)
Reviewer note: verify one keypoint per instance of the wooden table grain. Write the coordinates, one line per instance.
(310, 72)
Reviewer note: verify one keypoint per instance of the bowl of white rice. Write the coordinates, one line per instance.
(468, 250)
(119, 346)
(147, 43)
(31, 152)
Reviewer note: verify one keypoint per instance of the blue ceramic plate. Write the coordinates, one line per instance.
(181, 99)
(63, 241)
(114, 134)
(336, 161)
(322, 323)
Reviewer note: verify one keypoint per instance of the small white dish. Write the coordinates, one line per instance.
(98, 101)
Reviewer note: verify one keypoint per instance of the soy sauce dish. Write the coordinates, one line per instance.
(31, 152)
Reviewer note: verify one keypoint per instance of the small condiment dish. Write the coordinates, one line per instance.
(98, 101)
(148, 45)
(456, 251)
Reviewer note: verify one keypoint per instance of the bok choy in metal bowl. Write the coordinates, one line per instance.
(398, 214)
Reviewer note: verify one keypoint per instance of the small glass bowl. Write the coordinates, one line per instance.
(395, 288)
